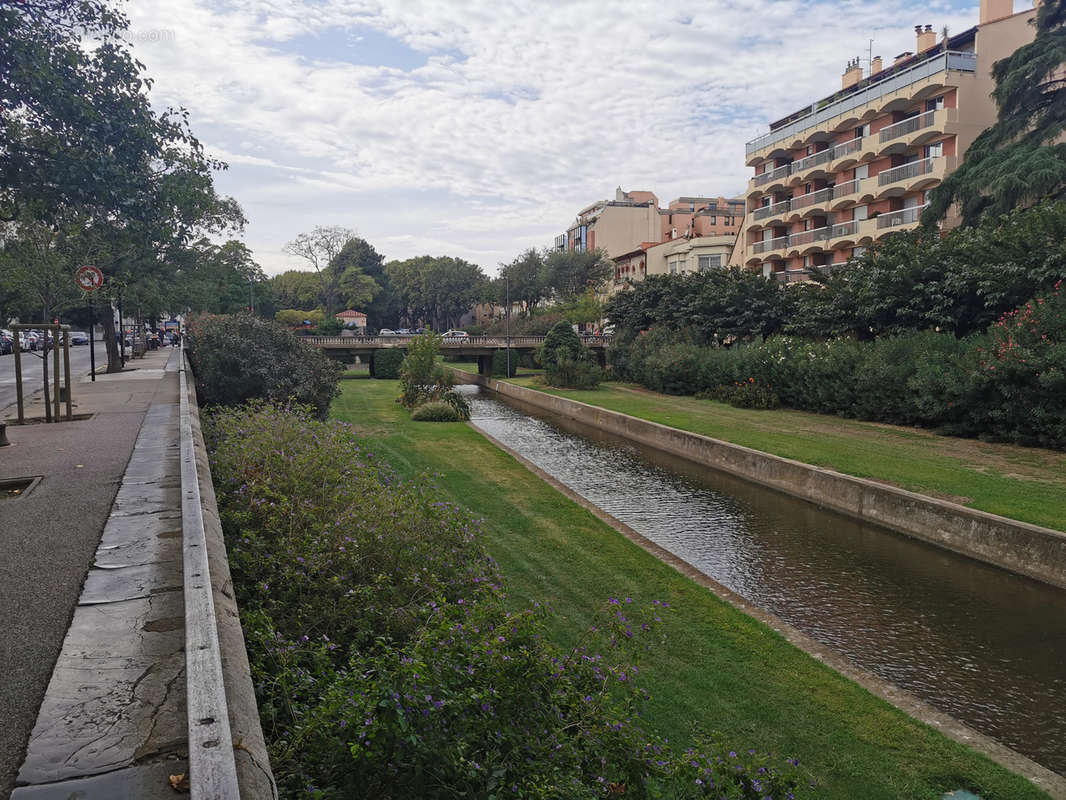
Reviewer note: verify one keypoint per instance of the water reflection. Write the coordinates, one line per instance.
(982, 644)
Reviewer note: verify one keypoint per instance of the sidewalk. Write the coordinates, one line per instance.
(114, 700)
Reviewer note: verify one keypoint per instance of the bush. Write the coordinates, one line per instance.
(243, 357)
(386, 662)
(748, 394)
(499, 363)
(573, 374)
(435, 411)
(328, 326)
(422, 378)
(387, 364)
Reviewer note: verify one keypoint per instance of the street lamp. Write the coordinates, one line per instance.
(507, 324)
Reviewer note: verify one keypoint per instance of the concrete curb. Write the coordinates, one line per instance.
(1019, 547)
(254, 776)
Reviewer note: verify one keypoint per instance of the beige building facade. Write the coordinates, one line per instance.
(851, 168)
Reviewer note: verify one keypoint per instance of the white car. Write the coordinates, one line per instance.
(386, 332)
(455, 335)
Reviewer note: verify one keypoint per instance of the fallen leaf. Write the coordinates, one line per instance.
(180, 783)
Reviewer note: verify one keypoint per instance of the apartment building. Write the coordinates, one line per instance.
(674, 257)
(848, 169)
(621, 225)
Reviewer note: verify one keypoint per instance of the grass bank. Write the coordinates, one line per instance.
(1022, 483)
(718, 670)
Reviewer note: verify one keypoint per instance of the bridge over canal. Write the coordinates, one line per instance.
(346, 348)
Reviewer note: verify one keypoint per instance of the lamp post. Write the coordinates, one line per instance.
(507, 324)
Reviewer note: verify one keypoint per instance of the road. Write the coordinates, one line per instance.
(31, 371)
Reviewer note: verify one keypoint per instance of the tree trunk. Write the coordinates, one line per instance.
(114, 361)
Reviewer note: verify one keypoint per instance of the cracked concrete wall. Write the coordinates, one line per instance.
(254, 775)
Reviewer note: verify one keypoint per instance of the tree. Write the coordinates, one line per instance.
(320, 248)
(436, 290)
(529, 280)
(297, 289)
(570, 272)
(1020, 158)
(350, 270)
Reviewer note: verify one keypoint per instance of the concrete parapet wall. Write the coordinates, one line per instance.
(1026, 549)
(254, 776)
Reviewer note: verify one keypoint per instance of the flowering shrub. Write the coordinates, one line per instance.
(386, 663)
(242, 357)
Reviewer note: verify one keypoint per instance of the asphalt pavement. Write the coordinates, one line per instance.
(32, 369)
(49, 534)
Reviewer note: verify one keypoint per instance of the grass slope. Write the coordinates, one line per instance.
(718, 669)
(1023, 483)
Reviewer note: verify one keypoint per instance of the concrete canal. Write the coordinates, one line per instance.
(982, 644)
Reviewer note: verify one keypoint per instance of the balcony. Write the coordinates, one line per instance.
(845, 149)
(842, 229)
(906, 172)
(767, 245)
(844, 189)
(818, 198)
(872, 89)
(906, 216)
(813, 160)
(909, 125)
(807, 237)
(770, 211)
(766, 177)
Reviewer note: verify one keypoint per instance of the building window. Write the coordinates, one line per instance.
(934, 150)
(714, 220)
(709, 262)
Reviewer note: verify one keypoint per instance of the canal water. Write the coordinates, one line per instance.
(986, 646)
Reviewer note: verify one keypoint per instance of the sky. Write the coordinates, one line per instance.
(479, 128)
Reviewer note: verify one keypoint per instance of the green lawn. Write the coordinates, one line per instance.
(1022, 483)
(718, 670)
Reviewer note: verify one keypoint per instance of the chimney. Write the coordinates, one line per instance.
(926, 38)
(876, 65)
(991, 10)
(852, 74)
(902, 57)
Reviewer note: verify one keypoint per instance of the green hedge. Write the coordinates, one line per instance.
(243, 357)
(1007, 385)
(387, 363)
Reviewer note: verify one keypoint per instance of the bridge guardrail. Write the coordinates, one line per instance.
(467, 341)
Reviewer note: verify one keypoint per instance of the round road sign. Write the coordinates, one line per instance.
(89, 278)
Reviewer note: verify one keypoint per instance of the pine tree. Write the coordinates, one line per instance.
(1021, 158)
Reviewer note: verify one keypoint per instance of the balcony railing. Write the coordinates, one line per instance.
(813, 160)
(849, 228)
(844, 189)
(909, 125)
(906, 171)
(850, 146)
(812, 198)
(773, 174)
(806, 237)
(769, 211)
(906, 216)
(770, 244)
(876, 86)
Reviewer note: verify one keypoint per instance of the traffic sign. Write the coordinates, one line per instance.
(89, 278)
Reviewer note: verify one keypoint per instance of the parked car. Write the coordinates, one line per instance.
(7, 344)
(79, 337)
(455, 335)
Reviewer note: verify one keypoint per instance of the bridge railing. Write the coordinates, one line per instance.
(451, 342)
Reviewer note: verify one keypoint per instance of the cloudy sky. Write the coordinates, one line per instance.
(478, 128)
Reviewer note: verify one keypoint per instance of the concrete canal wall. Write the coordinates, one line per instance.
(1026, 549)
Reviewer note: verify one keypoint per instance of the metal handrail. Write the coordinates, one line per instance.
(770, 244)
(905, 171)
(904, 216)
(812, 198)
(806, 237)
(466, 341)
(850, 146)
(875, 87)
(769, 211)
(844, 189)
(813, 160)
(212, 765)
(777, 172)
(909, 125)
(849, 228)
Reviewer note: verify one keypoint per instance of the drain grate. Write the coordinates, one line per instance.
(14, 488)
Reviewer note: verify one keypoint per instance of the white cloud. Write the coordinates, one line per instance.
(524, 113)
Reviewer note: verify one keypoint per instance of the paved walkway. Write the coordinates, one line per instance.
(114, 701)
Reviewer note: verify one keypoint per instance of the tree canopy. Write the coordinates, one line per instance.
(1021, 158)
